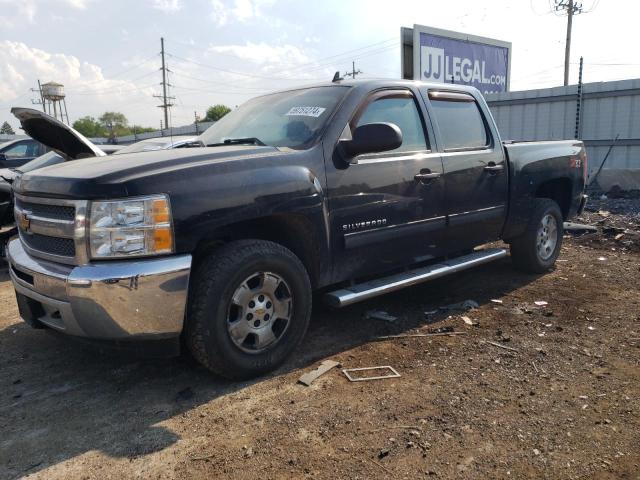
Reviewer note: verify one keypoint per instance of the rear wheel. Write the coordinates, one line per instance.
(537, 249)
(249, 307)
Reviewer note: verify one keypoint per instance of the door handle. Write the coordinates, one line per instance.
(422, 177)
(492, 167)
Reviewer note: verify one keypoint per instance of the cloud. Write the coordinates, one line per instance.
(264, 54)
(224, 12)
(166, 6)
(16, 12)
(89, 92)
(219, 13)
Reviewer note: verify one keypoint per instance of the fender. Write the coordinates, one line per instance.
(229, 198)
(531, 165)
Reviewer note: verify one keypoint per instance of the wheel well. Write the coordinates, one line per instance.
(294, 232)
(558, 190)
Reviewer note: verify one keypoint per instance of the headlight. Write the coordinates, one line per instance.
(133, 227)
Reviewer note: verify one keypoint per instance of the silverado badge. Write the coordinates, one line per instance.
(378, 222)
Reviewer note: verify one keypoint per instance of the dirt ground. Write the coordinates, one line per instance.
(561, 402)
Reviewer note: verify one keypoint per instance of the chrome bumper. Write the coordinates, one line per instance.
(122, 300)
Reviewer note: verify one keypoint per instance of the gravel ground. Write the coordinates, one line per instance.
(617, 220)
(561, 401)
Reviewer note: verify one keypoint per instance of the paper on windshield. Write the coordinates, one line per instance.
(306, 111)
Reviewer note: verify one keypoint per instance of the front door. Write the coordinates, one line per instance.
(475, 171)
(387, 209)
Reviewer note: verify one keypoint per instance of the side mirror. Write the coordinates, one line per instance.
(3, 160)
(373, 138)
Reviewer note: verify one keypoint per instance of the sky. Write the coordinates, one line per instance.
(106, 53)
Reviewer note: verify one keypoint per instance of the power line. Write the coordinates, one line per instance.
(215, 82)
(350, 52)
(303, 67)
(226, 92)
(108, 89)
(113, 90)
(357, 57)
(136, 66)
(232, 72)
(319, 61)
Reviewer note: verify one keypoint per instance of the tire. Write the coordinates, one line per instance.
(530, 252)
(248, 279)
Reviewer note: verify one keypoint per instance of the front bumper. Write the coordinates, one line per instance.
(123, 300)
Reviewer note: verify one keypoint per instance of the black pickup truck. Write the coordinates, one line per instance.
(352, 188)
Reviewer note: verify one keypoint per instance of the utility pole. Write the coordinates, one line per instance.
(39, 101)
(353, 72)
(572, 8)
(195, 121)
(165, 99)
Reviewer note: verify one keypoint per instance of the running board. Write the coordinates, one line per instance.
(380, 286)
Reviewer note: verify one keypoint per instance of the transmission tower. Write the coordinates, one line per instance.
(166, 99)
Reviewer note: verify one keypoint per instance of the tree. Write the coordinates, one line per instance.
(89, 127)
(115, 123)
(216, 112)
(138, 129)
(6, 129)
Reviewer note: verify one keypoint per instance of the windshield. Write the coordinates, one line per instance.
(50, 158)
(287, 119)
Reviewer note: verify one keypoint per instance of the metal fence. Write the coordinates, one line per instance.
(193, 129)
(608, 109)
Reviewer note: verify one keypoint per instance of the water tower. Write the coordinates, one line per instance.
(53, 98)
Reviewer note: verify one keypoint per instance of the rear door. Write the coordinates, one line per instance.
(475, 171)
(387, 209)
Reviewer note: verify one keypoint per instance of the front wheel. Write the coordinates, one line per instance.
(249, 307)
(537, 249)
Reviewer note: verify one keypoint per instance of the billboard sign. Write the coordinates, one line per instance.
(443, 56)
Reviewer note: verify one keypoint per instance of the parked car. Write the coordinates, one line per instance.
(353, 188)
(160, 143)
(66, 144)
(18, 152)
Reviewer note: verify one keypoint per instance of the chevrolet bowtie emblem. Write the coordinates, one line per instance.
(24, 222)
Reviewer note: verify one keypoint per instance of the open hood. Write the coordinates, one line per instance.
(55, 134)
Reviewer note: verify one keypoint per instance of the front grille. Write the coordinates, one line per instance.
(47, 228)
(64, 247)
(57, 212)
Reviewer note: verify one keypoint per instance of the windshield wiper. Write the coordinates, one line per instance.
(239, 141)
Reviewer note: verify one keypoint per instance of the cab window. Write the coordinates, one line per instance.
(460, 122)
(402, 111)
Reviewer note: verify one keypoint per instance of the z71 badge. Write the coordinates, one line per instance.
(350, 227)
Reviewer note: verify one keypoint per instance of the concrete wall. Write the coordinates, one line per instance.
(608, 109)
(7, 138)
